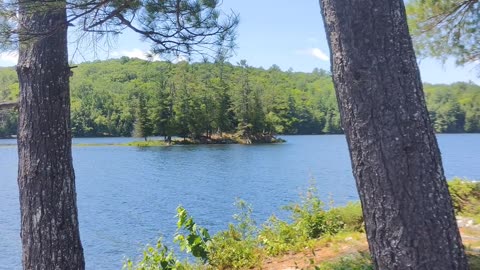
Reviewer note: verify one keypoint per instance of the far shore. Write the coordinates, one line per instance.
(214, 140)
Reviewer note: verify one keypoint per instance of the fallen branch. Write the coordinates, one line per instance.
(8, 105)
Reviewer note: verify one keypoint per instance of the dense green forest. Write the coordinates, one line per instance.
(125, 97)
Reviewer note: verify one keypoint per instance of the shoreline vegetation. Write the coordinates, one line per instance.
(316, 236)
(203, 140)
(128, 96)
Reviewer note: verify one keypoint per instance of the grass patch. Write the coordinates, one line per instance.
(352, 262)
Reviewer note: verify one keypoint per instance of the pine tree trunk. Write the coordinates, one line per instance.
(49, 222)
(396, 162)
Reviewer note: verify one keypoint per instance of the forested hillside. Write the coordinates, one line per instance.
(125, 97)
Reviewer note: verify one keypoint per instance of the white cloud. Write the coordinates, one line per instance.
(315, 52)
(9, 58)
(135, 53)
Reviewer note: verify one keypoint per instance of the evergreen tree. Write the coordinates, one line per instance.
(142, 126)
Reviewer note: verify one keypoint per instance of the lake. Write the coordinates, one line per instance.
(127, 196)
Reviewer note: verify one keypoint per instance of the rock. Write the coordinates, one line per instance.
(465, 222)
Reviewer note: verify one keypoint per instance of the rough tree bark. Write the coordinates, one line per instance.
(49, 223)
(396, 162)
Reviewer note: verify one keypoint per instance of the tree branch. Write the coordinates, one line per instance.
(8, 105)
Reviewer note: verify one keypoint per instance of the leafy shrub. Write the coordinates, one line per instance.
(157, 257)
(311, 218)
(229, 251)
(278, 236)
(465, 196)
(237, 247)
(351, 215)
(310, 221)
(243, 244)
(197, 239)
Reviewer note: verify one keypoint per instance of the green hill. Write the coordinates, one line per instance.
(125, 97)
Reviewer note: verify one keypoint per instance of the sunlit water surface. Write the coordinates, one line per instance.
(127, 196)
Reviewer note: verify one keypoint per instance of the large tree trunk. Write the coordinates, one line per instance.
(396, 162)
(49, 223)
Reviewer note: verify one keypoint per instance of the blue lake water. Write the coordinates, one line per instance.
(127, 196)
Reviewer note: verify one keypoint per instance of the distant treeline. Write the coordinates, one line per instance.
(127, 97)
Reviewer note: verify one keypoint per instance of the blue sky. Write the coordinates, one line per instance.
(287, 33)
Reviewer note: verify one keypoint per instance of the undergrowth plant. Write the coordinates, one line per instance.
(465, 197)
(244, 245)
(310, 220)
(353, 262)
(157, 257)
(237, 247)
(197, 238)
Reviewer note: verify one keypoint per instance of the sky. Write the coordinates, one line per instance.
(286, 33)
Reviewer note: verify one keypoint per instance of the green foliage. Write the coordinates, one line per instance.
(196, 239)
(173, 27)
(355, 262)
(444, 28)
(351, 216)
(278, 236)
(465, 197)
(236, 248)
(9, 91)
(455, 108)
(310, 221)
(243, 245)
(157, 257)
(131, 96)
(142, 127)
(8, 123)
